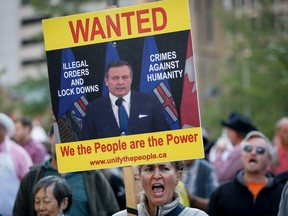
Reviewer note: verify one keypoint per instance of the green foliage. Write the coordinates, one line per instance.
(255, 73)
(59, 8)
(5, 97)
(34, 96)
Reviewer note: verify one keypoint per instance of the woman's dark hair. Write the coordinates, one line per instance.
(61, 189)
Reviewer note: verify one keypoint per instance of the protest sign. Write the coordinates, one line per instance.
(155, 38)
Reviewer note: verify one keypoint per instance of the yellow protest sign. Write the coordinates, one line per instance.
(161, 101)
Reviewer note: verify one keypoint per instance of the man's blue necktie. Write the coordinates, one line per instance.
(123, 117)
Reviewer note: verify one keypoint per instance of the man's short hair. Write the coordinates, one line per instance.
(254, 134)
(117, 63)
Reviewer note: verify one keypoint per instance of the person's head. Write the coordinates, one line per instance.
(23, 127)
(159, 181)
(257, 152)
(282, 131)
(6, 126)
(118, 78)
(238, 126)
(52, 196)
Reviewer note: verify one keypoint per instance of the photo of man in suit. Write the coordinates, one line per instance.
(143, 111)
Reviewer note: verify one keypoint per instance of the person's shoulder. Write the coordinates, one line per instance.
(285, 189)
(95, 174)
(97, 105)
(37, 146)
(33, 172)
(193, 212)
(99, 100)
(227, 187)
(36, 168)
(282, 178)
(141, 210)
(142, 96)
(206, 163)
(18, 149)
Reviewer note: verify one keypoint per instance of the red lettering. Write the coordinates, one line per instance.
(66, 151)
(128, 15)
(79, 28)
(169, 137)
(116, 27)
(110, 147)
(185, 138)
(142, 20)
(97, 146)
(146, 19)
(157, 26)
(97, 29)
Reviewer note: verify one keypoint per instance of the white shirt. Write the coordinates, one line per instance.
(126, 103)
(9, 182)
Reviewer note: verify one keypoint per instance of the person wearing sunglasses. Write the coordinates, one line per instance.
(227, 154)
(254, 190)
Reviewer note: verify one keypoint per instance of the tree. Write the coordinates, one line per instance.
(255, 73)
(64, 7)
(34, 93)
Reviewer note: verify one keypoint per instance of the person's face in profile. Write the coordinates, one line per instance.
(159, 181)
(46, 204)
(20, 132)
(119, 80)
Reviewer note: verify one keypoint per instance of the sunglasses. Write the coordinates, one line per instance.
(259, 150)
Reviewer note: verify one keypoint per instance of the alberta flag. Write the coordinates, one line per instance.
(72, 108)
(189, 102)
(111, 55)
(160, 88)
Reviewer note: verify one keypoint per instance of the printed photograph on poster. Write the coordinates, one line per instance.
(162, 67)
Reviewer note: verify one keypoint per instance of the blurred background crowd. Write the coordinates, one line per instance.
(241, 162)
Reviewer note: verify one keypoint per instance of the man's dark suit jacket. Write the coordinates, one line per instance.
(146, 115)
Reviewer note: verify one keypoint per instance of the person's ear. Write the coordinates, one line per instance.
(178, 176)
(64, 203)
(106, 81)
(270, 159)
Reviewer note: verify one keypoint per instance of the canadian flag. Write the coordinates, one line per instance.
(189, 111)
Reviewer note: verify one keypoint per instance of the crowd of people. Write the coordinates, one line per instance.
(243, 173)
